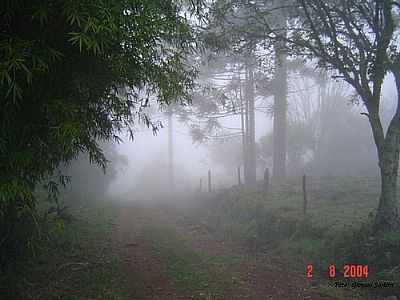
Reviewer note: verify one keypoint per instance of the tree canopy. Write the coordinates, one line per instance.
(74, 73)
(358, 41)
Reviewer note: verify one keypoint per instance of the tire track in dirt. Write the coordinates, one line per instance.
(253, 277)
(146, 274)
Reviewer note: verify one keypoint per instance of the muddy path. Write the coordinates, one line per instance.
(168, 256)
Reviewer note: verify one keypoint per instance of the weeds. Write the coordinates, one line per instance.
(336, 230)
(74, 260)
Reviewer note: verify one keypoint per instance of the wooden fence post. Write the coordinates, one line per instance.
(239, 179)
(304, 196)
(209, 181)
(266, 179)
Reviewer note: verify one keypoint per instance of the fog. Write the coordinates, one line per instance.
(207, 149)
(144, 172)
(146, 169)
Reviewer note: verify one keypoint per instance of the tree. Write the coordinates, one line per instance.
(220, 93)
(250, 174)
(280, 91)
(232, 30)
(357, 40)
(238, 25)
(171, 171)
(74, 73)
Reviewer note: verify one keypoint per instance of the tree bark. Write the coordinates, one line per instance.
(280, 113)
(387, 217)
(243, 119)
(252, 176)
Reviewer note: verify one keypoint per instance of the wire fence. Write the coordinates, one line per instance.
(328, 201)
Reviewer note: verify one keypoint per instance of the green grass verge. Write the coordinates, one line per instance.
(337, 229)
(201, 276)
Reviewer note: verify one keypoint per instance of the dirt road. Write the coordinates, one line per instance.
(168, 256)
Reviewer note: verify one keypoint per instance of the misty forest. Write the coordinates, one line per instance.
(199, 149)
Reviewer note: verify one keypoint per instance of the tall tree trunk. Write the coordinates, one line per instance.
(252, 175)
(171, 172)
(246, 133)
(280, 113)
(387, 217)
(243, 129)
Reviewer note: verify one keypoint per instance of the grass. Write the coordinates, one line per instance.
(75, 261)
(197, 274)
(336, 230)
(181, 260)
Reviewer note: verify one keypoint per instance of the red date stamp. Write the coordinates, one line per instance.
(348, 271)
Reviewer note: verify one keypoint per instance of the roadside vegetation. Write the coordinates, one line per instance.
(336, 230)
(202, 248)
(76, 77)
(72, 259)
